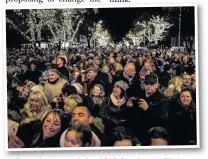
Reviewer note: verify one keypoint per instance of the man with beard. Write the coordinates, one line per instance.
(82, 116)
(149, 109)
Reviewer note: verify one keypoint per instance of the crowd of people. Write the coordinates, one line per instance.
(103, 96)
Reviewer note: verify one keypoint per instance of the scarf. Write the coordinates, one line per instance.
(117, 102)
(128, 78)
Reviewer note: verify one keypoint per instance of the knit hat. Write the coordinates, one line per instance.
(123, 85)
(78, 87)
(92, 68)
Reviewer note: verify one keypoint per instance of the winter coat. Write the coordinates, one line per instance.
(101, 78)
(32, 136)
(64, 71)
(96, 109)
(134, 86)
(33, 76)
(113, 116)
(182, 124)
(53, 90)
(155, 115)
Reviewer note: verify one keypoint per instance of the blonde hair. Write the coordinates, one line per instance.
(39, 96)
(119, 67)
(177, 81)
(72, 101)
(105, 69)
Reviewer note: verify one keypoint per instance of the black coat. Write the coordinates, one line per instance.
(113, 116)
(134, 86)
(101, 78)
(33, 76)
(95, 109)
(32, 136)
(64, 72)
(164, 78)
(182, 124)
(155, 115)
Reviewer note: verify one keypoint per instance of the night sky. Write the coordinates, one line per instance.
(120, 20)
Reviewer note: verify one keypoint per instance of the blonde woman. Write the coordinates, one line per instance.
(36, 106)
(174, 87)
(71, 102)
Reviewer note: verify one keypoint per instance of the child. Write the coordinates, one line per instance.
(76, 136)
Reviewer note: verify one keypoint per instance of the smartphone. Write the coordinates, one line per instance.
(12, 127)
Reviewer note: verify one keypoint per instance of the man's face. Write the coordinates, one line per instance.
(23, 67)
(80, 115)
(150, 88)
(90, 61)
(130, 71)
(158, 142)
(59, 61)
(52, 76)
(33, 67)
(91, 75)
(140, 59)
(186, 80)
(124, 142)
(97, 62)
(185, 59)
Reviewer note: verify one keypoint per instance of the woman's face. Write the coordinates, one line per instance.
(185, 98)
(51, 125)
(52, 76)
(71, 139)
(117, 91)
(35, 104)
(96, 91)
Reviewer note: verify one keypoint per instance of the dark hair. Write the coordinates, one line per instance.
(64, 61)
(85, 134)
(88, 111)
(121, 133)
(68, 89)
(56, 112)
(157, 132)
(187, 89)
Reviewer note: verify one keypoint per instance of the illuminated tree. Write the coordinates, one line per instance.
(63, 24)
(153, 31)
(101, 36)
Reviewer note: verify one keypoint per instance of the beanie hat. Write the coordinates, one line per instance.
(123, 85)
(92, 68)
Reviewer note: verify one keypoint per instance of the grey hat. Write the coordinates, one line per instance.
(92, 68)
